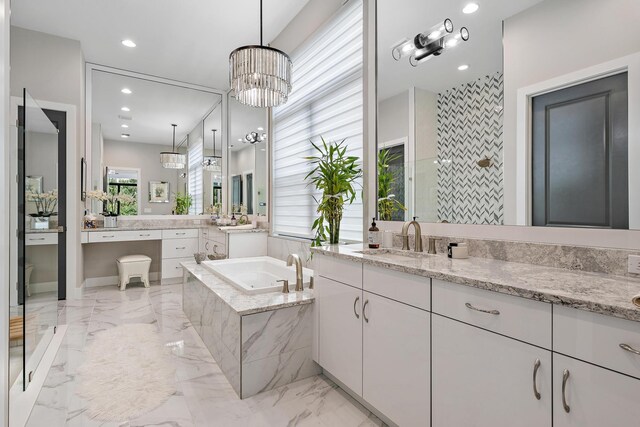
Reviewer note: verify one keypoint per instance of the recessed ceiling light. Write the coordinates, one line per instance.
(128, 43)
(125, 135)
(124, 126)
(125, 109)
(463, 67)
(239, 139)
(260, 128)
(470, 8)
(126, 91)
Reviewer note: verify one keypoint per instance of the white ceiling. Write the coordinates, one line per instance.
(399, 19)
(154, 107)
(186, 40)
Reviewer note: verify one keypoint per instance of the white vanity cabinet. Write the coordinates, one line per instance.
(372, 343)
(177, 246)
(484, 379)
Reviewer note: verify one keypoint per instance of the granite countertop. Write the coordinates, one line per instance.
(146, 227)
(48, 230)
(245, 230)
(597, 292)
(243, 303)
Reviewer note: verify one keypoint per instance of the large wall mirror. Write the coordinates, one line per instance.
(509, 112)
(248, 145)
(132, 120)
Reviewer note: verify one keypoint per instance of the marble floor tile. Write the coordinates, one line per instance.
(204, 396)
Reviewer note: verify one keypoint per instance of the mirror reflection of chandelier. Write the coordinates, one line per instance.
(212, 163)
(255, 137)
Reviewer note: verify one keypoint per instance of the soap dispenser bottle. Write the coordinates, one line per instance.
(374, 236)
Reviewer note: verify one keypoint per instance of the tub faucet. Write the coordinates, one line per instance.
(418, 235)
(290, 260)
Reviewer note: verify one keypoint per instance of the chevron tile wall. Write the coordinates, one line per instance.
(469, 129)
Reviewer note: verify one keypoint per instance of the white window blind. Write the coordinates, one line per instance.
(327, 101)
(194, 158)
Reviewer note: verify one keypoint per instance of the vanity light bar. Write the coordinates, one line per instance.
(438, 47)
(408, 46)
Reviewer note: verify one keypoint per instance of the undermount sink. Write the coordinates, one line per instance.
(395, 254)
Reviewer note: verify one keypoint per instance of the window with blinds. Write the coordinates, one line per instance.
(327, 101)
(195, 189)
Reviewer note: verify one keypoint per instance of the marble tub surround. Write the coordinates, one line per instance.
(597, 292)
(581, 258)
(260, 341)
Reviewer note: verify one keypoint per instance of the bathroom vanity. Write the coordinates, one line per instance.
(418, 337)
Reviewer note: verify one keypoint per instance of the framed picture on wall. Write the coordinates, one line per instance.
(158, 192)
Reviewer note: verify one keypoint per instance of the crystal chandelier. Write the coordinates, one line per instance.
(260, 75)
(213, 163)
(172, 159)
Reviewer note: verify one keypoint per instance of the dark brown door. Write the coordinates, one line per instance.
(580, 156)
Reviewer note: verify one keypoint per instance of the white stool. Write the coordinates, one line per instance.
(133, 266)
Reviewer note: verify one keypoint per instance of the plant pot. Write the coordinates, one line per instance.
(110, 221)
(40, 223)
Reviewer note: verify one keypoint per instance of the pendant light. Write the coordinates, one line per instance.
(260, 75)
(213, 163)
(173, 159)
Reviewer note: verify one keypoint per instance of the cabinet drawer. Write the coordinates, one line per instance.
(347, 272)
(516, 317)
(209, 246)
(179, 248)
(171, 268)
(36, 239)
(180, 234)
(596, 338)
(412, 290)
(123, 236)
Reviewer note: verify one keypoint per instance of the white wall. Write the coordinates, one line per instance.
(426, 150)
(4, 211)
(556, 38)
(145, 157)
(393, 117)
(52, 70)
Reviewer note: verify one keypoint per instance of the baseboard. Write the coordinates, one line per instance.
(40, 287)
(92, 282)
(172, 281)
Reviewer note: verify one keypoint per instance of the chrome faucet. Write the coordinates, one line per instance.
(418, 235)
(290, 260)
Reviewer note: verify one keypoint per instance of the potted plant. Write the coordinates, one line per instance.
(110, 205)
(46, 204)
(387, 203)
(334, 173)
(183, 203)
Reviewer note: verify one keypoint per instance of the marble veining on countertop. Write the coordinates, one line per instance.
(243, 303)
(147, 227)
(597, 292)
(245, 230)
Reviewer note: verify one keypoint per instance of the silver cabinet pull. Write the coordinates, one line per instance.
(178, 267)
(354, 307)
(108, 237)
(145, 235)
(36, 238)
(181, 247)
(565, 377)
(180, 234)
(364, 313)
(536, 366)
(494, 312)
(630, 349)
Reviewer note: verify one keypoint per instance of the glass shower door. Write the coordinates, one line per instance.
(38, 231)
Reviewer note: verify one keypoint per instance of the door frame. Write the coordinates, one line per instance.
(629, 64)
(73, 196)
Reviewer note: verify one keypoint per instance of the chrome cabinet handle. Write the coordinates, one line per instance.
(145, 235)
(108, 237)
(181, 247)
(565, 377)
(36, 238)
(494, 312)
(630, 349)
(364, 313)
(354, 307)
(180, 234)
(536, 366)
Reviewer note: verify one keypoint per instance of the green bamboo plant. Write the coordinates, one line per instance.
(334, 173)
(387, 203)
(182, 204)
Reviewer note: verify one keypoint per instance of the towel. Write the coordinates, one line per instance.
(636, 300)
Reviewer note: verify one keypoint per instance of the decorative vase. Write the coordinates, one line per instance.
(40, 223)
(111, 221)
